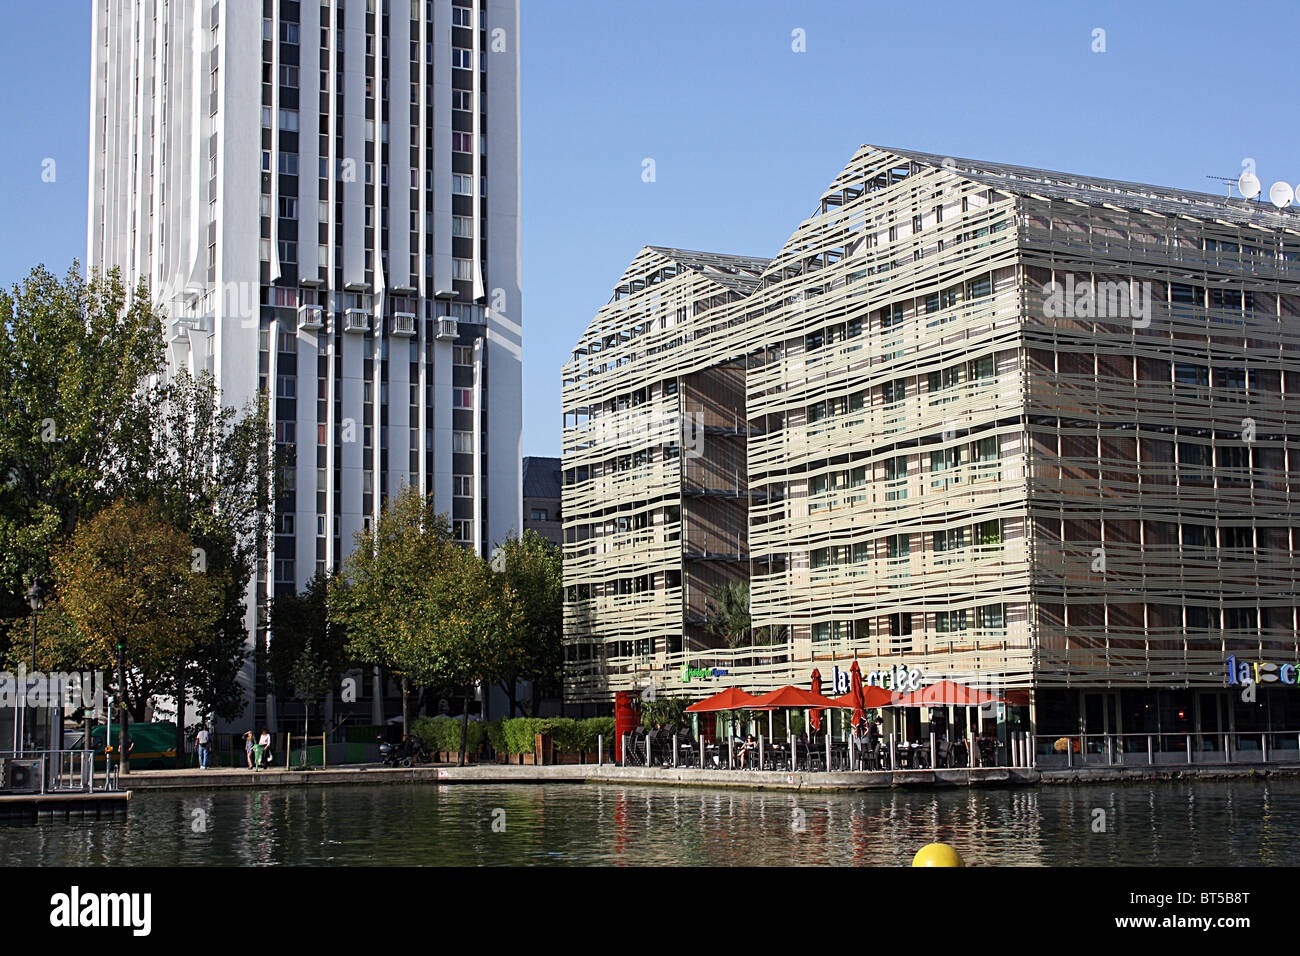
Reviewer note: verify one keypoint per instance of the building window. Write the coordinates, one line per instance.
(462, 59)
(462, 17)
(461, 100)
(462, 226)
(462, 185)
(462, 269)
(462, 442)
(462, 355)
(462, 142)
(462, 397)
(462, 486)
(539, 514)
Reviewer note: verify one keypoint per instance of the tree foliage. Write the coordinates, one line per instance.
(308, 655)
(87, 418)
(727, 611)
(414, 601)
(534, 572)
(74, 358)
(127, 578)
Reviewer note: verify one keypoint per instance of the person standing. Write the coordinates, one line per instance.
(264, 749)
(248, 748)
(201, 740)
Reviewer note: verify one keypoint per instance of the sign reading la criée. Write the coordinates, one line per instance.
(899, 677)
(1260, 672)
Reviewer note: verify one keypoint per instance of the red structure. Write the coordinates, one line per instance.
(625, 719)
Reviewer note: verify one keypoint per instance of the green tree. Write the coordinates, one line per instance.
(75, 356)
(727, 613)
(127, 583)
(533, 570)
(414, 601)
(207, 466)
(308, 656)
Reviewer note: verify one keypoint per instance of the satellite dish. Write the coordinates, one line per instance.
(1280, 194)
(1249, 185)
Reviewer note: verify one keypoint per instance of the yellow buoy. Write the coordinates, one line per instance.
(937, 854)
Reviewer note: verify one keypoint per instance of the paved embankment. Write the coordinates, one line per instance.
(223, 778)
(149, 780)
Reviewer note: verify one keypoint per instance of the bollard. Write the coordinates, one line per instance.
(1263, 746)
(828, 745)
(1151, 752)
(934, 763)
(600, 749)
(1227, 748)
(794, 754)
(892, 761)
(1189, 748)
(761, 764)
(647, 750)
(623, 751)
(854, 763)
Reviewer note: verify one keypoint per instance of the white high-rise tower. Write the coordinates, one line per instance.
(324, 200)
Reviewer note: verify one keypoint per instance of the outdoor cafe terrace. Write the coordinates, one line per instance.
(872, 732)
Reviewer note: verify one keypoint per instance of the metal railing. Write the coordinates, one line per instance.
(893, 754)
(1167, 749)
(51, 771)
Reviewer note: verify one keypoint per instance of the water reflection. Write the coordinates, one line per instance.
(1221, 822)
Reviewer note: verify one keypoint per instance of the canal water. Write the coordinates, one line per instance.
(1241, 822)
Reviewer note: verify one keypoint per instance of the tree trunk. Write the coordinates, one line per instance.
(511, 687)
(405, 708)
(464, 731)
(180, 713)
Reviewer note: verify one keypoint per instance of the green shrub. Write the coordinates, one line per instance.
(496, 734)
(589, 729)
(442, 734)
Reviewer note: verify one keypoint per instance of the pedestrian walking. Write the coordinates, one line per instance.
(248, 748)
(264, 748)
(257, 751)
(201, 740)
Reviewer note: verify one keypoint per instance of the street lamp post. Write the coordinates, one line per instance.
(35, 598)
(123, 754)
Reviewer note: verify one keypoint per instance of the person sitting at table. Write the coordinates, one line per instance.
(747, 745)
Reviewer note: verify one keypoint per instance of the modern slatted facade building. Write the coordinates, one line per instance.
(1011, 427)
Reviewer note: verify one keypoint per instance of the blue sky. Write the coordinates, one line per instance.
(745, 132)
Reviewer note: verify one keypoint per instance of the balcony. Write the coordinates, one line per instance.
(311, 318)
(356, 320)
(404, 323)
(447, 330)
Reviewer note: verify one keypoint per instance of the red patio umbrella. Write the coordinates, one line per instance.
(790, 697)
(730, 699)
(855, 691)
(946, 693)
(815, 716)
(872, 696)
